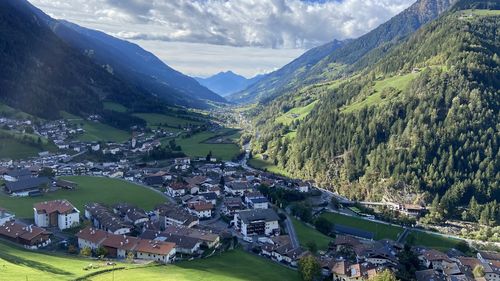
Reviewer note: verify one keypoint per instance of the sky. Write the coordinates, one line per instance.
(249, 37)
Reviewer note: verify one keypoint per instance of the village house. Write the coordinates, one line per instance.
(255, 200)
(232, 205)
(183, 244)
(203, 210)
(169, 214)
(257, 222)
(118, 246)
(344, 271)
(91, 237)
(102, 218)
(158, 251)
(29, 236)
(26, 186)
(237, 188)
(207, 238)
(434, 259)
(57, 213)
(176, 189)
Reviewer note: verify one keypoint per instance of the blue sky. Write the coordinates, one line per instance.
(203, 37)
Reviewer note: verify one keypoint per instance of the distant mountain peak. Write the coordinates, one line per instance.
(227, 82)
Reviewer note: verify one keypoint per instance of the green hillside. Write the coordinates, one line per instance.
(424, 116)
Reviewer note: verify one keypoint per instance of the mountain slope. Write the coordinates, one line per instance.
(131, 63)
(226, 83)
(422, 121)
(332, 63)
(42, 75)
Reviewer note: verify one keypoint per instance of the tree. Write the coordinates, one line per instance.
(209, 156)
(478, 271)
(46, 172)
(312, 246)
(86, 252)
(309, 268)
(323, 225)
(409, 262)
(385, 275)
(335, 202)
(101, 252)
(130, 257)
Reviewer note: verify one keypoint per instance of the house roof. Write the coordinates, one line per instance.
(353, 231)
(239, 185)
(209, 195)
(59, 206)
(203, 235)
(340, 267)
(487, 255)
(122, 242)
(178, 186)
(435, 255)
(92, 235)
(248, 216)
(429, 275)
(154, 247)
(181, 241)
(17, 230)
(26, 184)
(201, 206)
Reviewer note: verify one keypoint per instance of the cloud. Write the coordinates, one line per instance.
(242, 23)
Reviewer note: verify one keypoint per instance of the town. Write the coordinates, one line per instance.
(209, 206)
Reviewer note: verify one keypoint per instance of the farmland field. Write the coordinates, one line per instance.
(96, 131)
(155, 119)
(18, 264)
(433, 240)
(258, 163)
(90, 189)
(380, 231)
(307, 234)
(197, 146)
(231, 266)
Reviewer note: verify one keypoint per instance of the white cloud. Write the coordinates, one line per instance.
(267, 24)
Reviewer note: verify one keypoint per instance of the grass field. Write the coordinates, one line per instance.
(18, 264)
(114, 106)
(90, 189)
(379, 230)
(437, 242)
(95, 131)
(481, 12)
(307, 234)
(231, 266)
(10, 148)
(195, 145)
(13, 113)
(258, 163)
(399, 82)
(155, 119)
(297, 113)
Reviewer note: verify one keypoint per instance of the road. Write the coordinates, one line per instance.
(291, 232)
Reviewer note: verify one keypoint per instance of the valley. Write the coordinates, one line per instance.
(370, 158)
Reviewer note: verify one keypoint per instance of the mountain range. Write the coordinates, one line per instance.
(50, 66)
(339, 58)
(227, 83)
(413, 120)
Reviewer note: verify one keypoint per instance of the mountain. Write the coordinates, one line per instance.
(273, 82)
(42, 75)
(226, 83)
(417, 124)
(334, 60)
(131, 63)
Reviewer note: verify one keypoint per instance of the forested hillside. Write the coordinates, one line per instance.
(421, 123)
(338, 59)
(41, 75)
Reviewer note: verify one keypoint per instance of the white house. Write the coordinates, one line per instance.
(91, 237)
(57, 213)
(163, 252)
(257, 222)
(201, 209)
